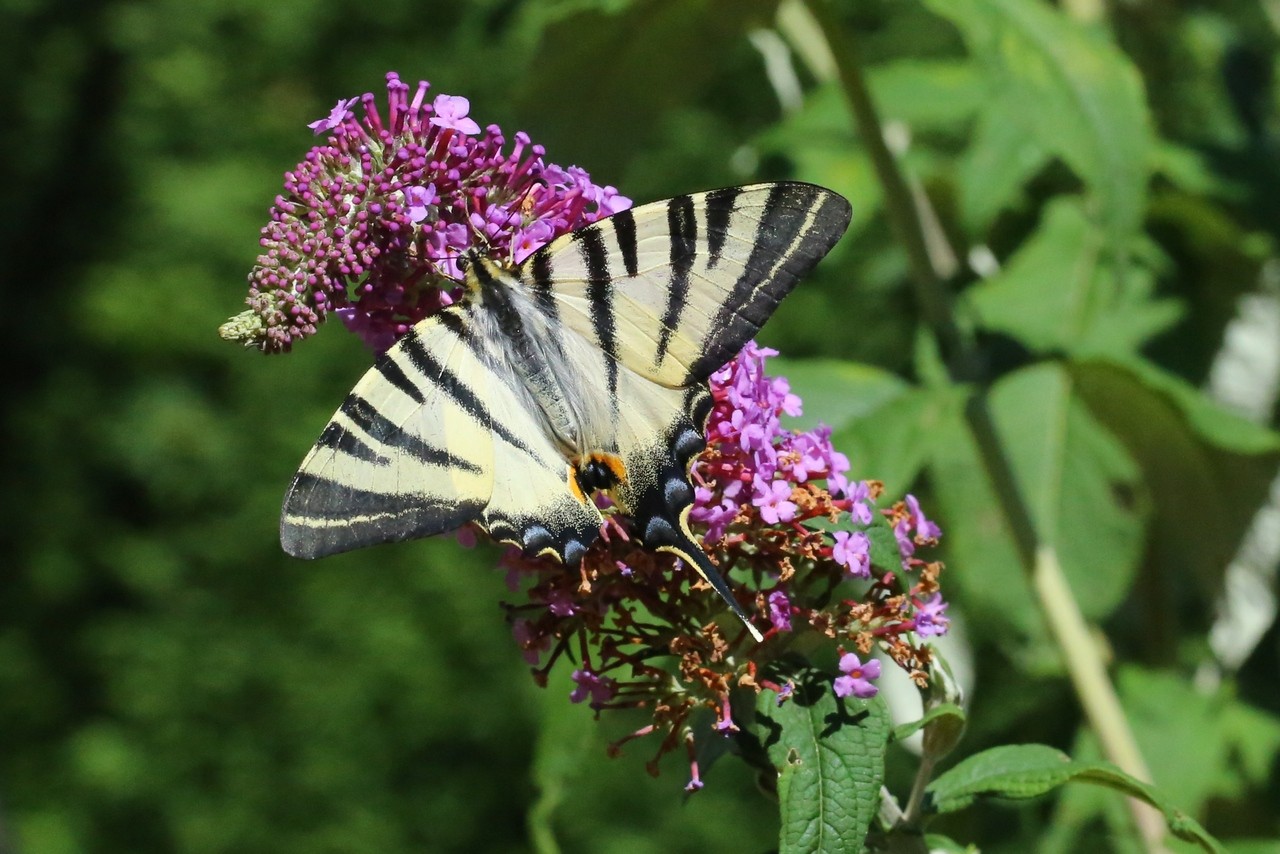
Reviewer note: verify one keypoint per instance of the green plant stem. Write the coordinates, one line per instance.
(1066, 623)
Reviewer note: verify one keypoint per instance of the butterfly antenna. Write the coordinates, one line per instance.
(691, 553)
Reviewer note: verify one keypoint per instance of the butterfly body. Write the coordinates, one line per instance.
(582, 369)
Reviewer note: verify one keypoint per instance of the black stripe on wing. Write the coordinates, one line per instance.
(624, 230)
(324, 516)
(720, 206)
(386, 435)
(395, 375)
(798, 226)
(600, 295)
(434, 371)
(542, 282)
(682, 222)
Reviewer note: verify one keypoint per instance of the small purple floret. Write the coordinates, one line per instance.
(451, 112)
(931, 618)
(335, 117)
(853, 552)
(857, 677)
(599, 688)
(780, 611)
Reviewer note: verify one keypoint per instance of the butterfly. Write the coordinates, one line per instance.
(581, 370)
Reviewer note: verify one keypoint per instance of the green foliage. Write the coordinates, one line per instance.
(829, 754)
(170, 682)
(1031, 770)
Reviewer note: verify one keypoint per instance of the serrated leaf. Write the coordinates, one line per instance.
(1072, 91)
(829, 755)
(1029, 770)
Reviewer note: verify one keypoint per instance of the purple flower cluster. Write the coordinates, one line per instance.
(758, 462)
(372, 222)
(756, 469)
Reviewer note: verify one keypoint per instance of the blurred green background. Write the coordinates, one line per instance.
(169, 681)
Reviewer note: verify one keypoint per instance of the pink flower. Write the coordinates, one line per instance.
(853, 552)
(774, 500)
(931, 618)
(780, 611)
(421, 201)
(925, 529)
(532, 645)
(857, 677)
(599, 688)
(372, 221)
(335, 117)
(451, 112)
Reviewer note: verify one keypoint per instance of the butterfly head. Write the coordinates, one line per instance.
(479, 271)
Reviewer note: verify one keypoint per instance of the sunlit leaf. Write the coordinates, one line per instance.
(1072, 91)
(1060, 291)
(1029, 770)
(829, 756)
(1080, 485)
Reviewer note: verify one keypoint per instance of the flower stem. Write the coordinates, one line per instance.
(911, 219)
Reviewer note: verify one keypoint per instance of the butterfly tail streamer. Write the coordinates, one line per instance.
(688, 551)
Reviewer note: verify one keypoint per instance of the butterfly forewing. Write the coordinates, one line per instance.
(435, 435)
(674, 289)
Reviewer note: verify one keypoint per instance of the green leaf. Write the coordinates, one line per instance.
(817, 141)
(1206, 469)
(834, 391)
(1071, 91)
(829, 755)
(1081, 486)
(895, 440)
(1029, 770)
(1000, 159)
(954, 713)
(926, 93)
(1061, 292)
(1202, 748)
(596, 50)
(946, 845)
